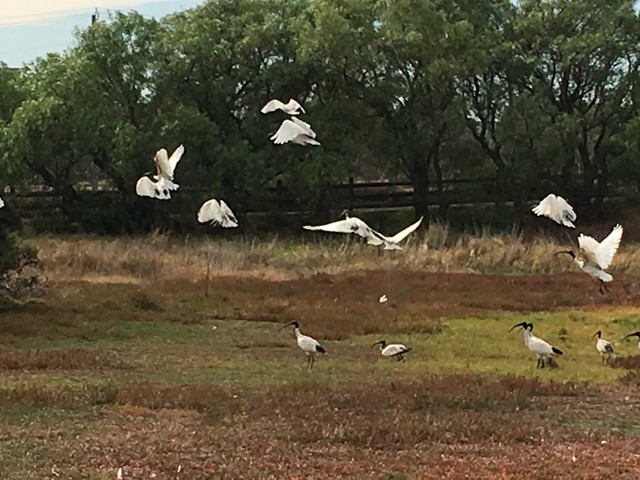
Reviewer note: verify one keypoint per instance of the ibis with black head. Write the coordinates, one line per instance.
(603, 346)
(310, 346)
(594, 257)
(634, 334)
(396, 350)
(543, 350)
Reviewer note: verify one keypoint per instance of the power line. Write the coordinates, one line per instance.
(43, 20)
(55, 12)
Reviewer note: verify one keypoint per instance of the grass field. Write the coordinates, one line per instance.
(141, 362)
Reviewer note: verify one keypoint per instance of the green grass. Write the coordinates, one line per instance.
(123, 369)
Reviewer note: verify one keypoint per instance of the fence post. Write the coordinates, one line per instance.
(351, 193)
(279, 189)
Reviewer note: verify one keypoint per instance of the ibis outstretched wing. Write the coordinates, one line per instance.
(601, 253)
(398, 237)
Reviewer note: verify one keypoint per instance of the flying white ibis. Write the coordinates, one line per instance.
(290, 108)
(295, 131)
(557, 209)
(603, 346)
(159, 185)
(634, 334)
(594, 258)
(310, 346)
(373, 237)
(217, 214)
(147, 187)
(543, 350)
(396, 350)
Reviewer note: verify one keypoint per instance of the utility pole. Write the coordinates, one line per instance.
(94, 17)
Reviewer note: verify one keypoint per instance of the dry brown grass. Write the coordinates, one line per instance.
(56, 360)
(438, 427)
(157, 257)
(631, 362)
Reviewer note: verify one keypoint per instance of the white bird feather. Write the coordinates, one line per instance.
(290, 108)
(295, 131)
(601, 254)
(217, 214)
(166, 166)
(1, 203)
(146, 187)
(557, 209)
(373, 237)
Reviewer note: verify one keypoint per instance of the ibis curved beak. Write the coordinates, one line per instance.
(286, 325)
(634, 334)
(523, 325)
(378, 343)
(568, 252)
(597, 334)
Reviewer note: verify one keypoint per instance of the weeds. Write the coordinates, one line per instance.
(158, 257)
(56, 360)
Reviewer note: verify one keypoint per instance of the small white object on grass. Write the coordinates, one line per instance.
(310, 346)
(218, 213)
(594, 257)
(291, 108)
(373, 237)
(543, 350)
(383, 299)
(397, 350)
(1, 203)
(295, 131)
(119, 474)
(557, 209)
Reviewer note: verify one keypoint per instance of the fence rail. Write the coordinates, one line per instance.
(36, 201)
(38, 205)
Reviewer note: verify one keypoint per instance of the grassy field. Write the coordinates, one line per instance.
(138, 359)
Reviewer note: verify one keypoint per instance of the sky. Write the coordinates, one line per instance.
(32, 28)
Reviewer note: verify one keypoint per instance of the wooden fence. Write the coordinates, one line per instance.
(43, 208)
(37, 202)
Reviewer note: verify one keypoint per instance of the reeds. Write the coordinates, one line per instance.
(159, 257)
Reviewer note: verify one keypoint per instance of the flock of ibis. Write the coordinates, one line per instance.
(592, 257)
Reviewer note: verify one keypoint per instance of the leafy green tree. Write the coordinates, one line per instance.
(583, 57)
(222, 62)
(119, 58)
(49, 132)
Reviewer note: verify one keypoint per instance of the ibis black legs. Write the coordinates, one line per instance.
(603, 287)
(310, 361)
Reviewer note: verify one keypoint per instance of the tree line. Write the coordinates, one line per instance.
(541, 95)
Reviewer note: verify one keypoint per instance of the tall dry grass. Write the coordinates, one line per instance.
(157, 257)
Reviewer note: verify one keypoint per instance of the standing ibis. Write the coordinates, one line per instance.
(603, 346)
(310, 346)
(543, 350)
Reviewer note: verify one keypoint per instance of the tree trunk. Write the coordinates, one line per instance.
(69, 198)
(443, 206)
(420, 183)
